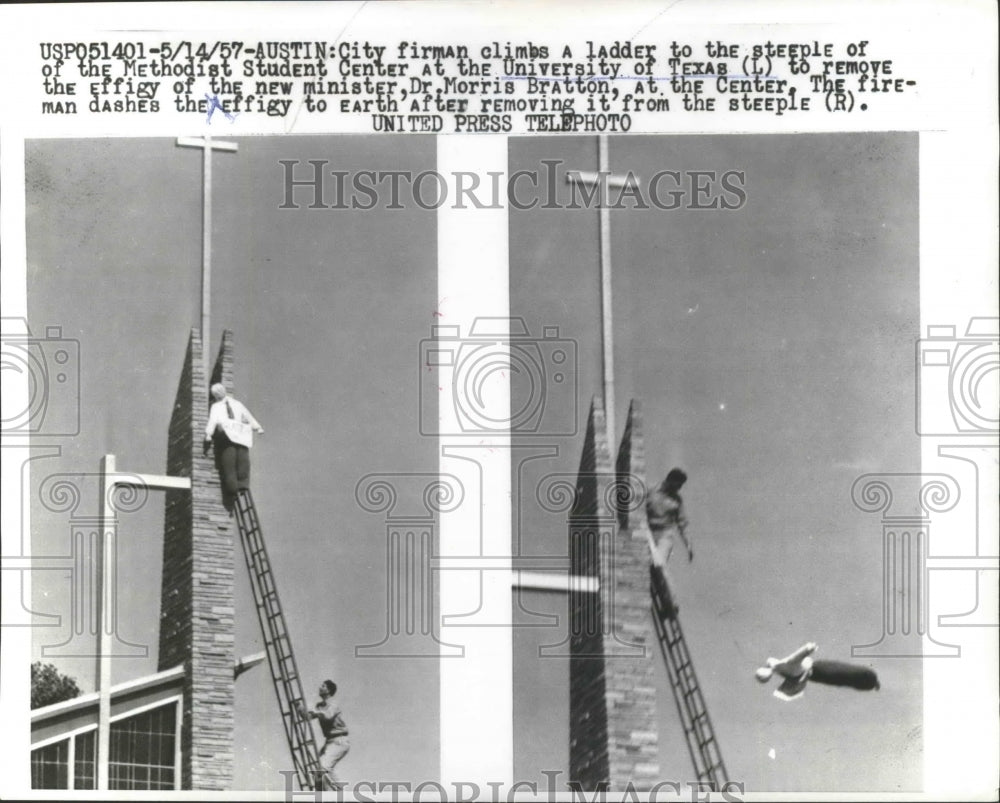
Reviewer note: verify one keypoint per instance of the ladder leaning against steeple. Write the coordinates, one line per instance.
(278, 644)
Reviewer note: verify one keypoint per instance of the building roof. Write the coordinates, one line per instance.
(47, 722)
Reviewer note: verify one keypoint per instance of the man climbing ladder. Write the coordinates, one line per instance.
(667, 524)
(331, 722)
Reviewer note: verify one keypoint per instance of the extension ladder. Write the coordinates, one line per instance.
(278, 644)
(702, 745)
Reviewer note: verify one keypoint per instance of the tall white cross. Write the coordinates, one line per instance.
(207, 146)
(604, 180)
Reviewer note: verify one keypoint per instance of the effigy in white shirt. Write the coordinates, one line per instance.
(235, 421)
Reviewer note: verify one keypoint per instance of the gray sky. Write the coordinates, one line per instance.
(798, 313)
(772, 349)
(327, 308)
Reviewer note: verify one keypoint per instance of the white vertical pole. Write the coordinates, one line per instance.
(473, 275)
(607, 335)
(108, 525)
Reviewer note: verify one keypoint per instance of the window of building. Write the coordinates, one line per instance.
(143, 755)
(142, 750)
(50, 766)
(85, 760)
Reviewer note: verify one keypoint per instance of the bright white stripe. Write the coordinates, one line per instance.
(958, 258)
(477, 741)
(15, 507)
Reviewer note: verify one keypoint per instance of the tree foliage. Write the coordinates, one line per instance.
(49, 685)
